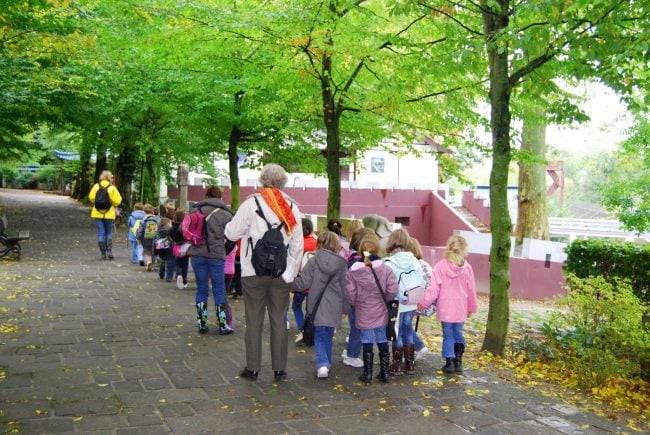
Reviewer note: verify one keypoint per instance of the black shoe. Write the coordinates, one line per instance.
(278, 375)
(248, 374)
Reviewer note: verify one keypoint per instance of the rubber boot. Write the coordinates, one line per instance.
(102, 249)
(202, 317)
(459, 350)
(109, 249)
(409, 359)
(367, 367)
(384, 366)
(224, 329)
(396, 365)
(449, 365)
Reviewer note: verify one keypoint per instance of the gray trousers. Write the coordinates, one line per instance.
(262, 292)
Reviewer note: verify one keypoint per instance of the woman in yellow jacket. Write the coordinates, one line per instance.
(104, 211)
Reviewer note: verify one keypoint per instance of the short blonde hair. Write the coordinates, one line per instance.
(273, 175)
(352, 226)
(106, 175)
(330, 241)
(399, 238)
(456, 250)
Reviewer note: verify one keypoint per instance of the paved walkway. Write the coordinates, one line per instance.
(89, 346)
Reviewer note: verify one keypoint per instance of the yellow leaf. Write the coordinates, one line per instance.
(79, 418)
(102, 385)
(225, 407)
(425, 412)
(162, 401)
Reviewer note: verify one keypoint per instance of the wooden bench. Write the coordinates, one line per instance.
(10, 244)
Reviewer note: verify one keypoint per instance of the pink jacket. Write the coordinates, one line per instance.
(363, 294)
(229, 266)
(454, 289)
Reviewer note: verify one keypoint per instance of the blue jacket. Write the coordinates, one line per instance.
(135, 215)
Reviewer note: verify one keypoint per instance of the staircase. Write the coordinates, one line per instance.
(469, 217)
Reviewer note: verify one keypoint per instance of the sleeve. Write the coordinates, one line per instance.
(93, 193)
(304, 280)
(238, 226)
(140, 234)
(471, 290)
(431, 294)
(296, 242)
(391, 285)
(350, 289)
(116, 197)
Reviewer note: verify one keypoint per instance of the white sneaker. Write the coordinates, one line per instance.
(288, 325)
(179, 282)
(323, 372)
(298, 338)
(347, 338)
(420, 353)
(344, 354)
(352, 362)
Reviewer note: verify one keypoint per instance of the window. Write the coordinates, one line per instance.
(404, 220)
(377, 165)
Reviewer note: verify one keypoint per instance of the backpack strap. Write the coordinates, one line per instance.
(261, 213)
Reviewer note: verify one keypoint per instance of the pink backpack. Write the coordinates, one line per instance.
(229, 267)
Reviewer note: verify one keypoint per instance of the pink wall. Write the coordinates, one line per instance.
(476, 206)
(444, 220)
(529, 279)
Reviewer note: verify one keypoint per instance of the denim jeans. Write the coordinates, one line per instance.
(375, 335)
(451, 333)
(104, 230)
(405, 336)
(419, 344)
(209, 269)
(353, 347)
(134, 251)
(323, 336)
(296, 306)
(167, 268)
(182, 264)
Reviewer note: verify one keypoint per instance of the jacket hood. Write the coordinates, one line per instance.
(138, 214)
(403, 260)
(328, 262)
(360, 264)
(450, 270)
(213, 202)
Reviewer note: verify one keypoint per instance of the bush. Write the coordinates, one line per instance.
(599, 333)
(611, 259)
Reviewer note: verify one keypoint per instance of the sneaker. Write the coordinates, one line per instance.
(347, 338)
(352, 362)
(323, 373)
(299, 338)
(288, 325)
(179, 282)
(421, 353)
(344, 354)
(149, 267)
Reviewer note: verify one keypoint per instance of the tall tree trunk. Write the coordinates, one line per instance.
(83, 184)
(332, 117)
(233, 141)
(127, 164)
(532, 212)
(100, 162)
(154, 185)
(495, 20)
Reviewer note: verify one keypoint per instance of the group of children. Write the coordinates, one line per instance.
(362, 280)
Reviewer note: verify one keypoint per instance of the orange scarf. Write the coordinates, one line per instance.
(280, 207)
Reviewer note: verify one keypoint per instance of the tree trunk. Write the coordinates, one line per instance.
(127, 164)
(154, 187)
(100, 162)
(332, 117)
(500, 92)
(532, 212)
(233, 141)
(83, 184)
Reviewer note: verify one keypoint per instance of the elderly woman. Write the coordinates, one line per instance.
(270, 207)
(105, 197)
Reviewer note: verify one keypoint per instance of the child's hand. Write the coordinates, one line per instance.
(421, 308)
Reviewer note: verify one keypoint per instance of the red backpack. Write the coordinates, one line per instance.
(194, 228)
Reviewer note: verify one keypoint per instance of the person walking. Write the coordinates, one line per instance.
(453, 288)
(324, 276)
(209, 258)
(310, 244)
(269, 208)
(134, 222)
(368, 285)
(182, 261)
(105, 197)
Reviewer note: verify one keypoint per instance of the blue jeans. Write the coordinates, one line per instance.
(209, 268)
(405, 336)
(182, 264)
(167, 267)
(353, 347)
(418, 341)
(323, 336)
(104, 229)
(134, 251)
(451, 333)
(296, 306)
(375, 335)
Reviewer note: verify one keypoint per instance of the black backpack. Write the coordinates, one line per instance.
(270, 253)
(102, 199)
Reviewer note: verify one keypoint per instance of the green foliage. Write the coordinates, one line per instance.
(612, 260)
(533, 350)
(599, 332)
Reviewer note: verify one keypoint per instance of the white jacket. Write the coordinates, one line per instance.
(248, 226)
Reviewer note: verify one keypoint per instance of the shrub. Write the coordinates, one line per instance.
(611, 259)
(599, 333)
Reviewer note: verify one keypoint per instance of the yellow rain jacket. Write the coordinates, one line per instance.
(113, 193)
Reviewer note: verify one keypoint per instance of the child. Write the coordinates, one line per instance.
(420, 348)
(147, 234)
(324, 276)
(408, 271)
(369, 302)
(164, 250)
(454, 288)
(233, 281)
(310, 244)
(181, 264)
(136, 249)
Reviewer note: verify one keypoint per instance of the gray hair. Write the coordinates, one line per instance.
(273, 175)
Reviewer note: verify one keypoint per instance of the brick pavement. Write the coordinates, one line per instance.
(90, 346)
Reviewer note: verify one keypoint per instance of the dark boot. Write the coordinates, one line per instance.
(409, 359)
(449, 365)
(224, 329)
(459, 350)
(109, 249)
(396, 365)
(367, 367)
(384, 366)
(202, 317)
(102, 249)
